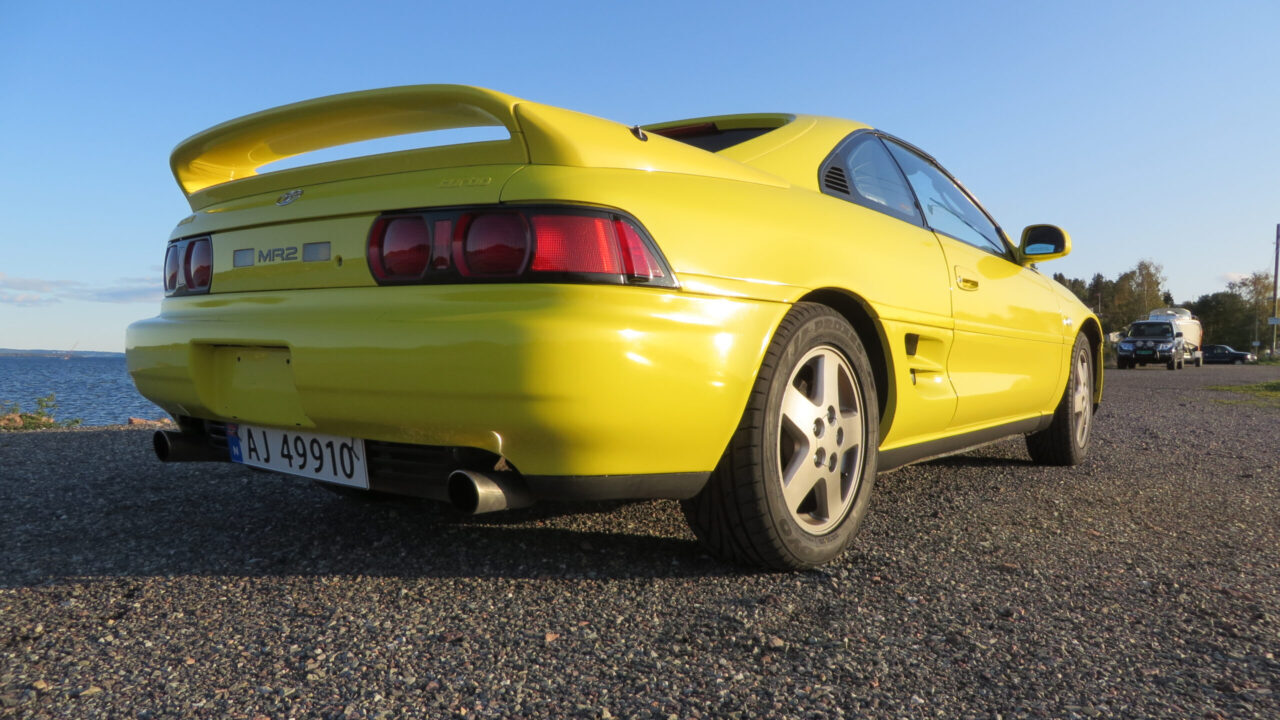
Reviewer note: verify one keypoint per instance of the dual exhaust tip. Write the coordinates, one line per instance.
(470, 491)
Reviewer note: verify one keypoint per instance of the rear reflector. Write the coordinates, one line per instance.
(519, 244)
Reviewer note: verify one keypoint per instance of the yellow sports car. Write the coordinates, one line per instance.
(753, 314)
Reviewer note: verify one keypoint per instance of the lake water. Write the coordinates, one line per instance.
(97, 390)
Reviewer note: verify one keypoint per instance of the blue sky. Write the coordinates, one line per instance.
(1147, 129)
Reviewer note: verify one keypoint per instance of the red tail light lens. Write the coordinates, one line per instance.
(492, 245)
(172, 262)
(574, 243)
(399, 248)
(514, 244)
(638, 260)
(188, 266)
(197, 266)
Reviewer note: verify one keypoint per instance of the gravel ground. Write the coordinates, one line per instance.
(1143, 583)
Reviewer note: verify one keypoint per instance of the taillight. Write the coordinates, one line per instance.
(172, 262)
(637, 259)
(573, 243)
(188, 266)
(197, 267)
(552, 244)
(399, 248)
(491, 245)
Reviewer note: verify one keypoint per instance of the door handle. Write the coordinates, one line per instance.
(964, 281)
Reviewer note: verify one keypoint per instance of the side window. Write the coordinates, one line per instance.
(863, 171)
(947, 208)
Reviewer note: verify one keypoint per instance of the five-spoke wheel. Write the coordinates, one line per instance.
(795, 481)
(820, 439)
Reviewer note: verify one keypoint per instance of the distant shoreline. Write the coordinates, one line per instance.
(9, 352)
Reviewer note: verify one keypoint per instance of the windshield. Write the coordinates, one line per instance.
(1151, 330)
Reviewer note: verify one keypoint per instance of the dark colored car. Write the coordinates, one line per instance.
(1145, 342)
(1225, 354)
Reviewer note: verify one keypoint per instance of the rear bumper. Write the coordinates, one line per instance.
(424, 470)
(566, 382)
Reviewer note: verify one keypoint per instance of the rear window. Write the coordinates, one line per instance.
(707, 136)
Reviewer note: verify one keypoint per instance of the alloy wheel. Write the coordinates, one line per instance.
(1082, 400)
(820, 440)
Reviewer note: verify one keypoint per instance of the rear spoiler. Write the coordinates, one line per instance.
(237, 148)
(539, 134)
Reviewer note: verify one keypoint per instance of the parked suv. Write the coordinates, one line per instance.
(1151, 342)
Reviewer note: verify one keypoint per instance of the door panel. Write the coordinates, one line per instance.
(1007, 355)
(1007, 352)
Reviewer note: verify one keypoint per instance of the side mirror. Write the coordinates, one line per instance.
(1043, 242)
(1177, 334)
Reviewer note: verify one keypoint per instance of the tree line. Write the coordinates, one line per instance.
(1235, 316)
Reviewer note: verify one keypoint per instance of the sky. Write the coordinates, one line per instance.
(1147, 130)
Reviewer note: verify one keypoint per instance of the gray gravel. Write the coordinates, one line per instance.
(1141, 584)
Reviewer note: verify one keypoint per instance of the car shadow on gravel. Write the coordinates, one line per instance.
(336, 538)
(131, 516)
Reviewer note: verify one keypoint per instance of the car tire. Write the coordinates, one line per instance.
(793, 486)
(1066, 440)
(1238, 362)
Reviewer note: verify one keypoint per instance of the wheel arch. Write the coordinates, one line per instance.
(859, 314)
(1093, 331)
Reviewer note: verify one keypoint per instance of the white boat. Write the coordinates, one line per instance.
(1192, 333)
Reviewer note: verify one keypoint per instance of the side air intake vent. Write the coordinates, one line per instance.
(836, 181)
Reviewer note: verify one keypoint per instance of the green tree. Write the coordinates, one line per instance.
(1101, 294)
(1235, 317)
(1132, 295)
(1135, 294)
(1225, 319)
(1255, 291)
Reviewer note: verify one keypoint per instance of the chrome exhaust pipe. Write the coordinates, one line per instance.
(173, 446)
(474, 492)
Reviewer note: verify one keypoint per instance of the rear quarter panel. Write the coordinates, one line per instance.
(780, 241)
(781, 244)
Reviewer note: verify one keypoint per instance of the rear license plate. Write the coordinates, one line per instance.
(319, 457)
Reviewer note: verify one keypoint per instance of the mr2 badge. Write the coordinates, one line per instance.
(310, 252)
